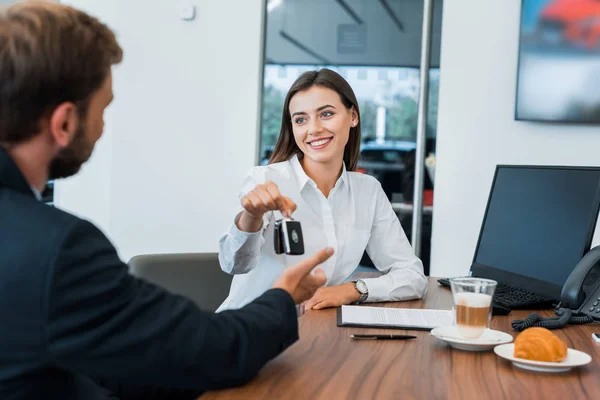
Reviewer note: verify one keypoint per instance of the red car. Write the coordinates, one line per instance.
(576, 21)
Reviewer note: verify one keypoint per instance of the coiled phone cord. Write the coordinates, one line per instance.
(564, 316)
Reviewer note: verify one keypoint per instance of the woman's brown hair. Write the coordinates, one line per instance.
(286, 146)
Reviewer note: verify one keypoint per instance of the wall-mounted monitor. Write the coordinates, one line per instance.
(559, 61)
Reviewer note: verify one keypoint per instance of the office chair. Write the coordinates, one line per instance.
(197, 276)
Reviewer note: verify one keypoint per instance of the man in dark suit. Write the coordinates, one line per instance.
(75, 324)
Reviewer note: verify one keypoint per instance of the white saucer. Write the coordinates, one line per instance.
(575, 358)
(485, 342)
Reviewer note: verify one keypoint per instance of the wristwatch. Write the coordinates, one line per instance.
(361, 288)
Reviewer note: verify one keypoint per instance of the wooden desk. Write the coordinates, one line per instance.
(326, 364)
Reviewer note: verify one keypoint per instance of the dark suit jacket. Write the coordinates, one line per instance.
(74, 322)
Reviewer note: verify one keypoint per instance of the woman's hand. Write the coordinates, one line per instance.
(333, 296)
(262, 199)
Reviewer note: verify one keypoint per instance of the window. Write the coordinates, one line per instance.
(376, 47)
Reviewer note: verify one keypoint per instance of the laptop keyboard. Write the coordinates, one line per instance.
(513, 297)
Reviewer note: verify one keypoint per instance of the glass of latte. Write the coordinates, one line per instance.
(472, 300)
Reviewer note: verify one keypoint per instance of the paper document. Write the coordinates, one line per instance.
(392, 317)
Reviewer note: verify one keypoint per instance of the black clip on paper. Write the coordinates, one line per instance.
(288, 237)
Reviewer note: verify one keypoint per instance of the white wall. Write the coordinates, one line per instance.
(476, 127)
(182, 130)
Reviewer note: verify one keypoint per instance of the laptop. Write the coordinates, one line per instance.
(538, 223)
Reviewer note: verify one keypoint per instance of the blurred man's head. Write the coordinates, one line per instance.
(55, 81)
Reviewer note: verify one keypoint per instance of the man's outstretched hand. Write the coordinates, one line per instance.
(298, 280)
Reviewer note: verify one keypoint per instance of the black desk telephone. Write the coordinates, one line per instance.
(581, 292)
(579, 298)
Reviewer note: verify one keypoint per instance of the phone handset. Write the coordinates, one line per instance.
(572, 295)
(576, 307)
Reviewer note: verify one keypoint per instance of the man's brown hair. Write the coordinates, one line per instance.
(49, 54)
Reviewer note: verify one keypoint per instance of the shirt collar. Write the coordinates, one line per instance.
(303, 179)
(36, 193)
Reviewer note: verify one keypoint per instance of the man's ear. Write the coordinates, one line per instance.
(63, 123)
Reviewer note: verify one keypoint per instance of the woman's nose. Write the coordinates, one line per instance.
(315, 127)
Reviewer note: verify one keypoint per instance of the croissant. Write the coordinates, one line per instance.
(540, 344)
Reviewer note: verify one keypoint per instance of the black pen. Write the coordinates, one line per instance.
(383, 337)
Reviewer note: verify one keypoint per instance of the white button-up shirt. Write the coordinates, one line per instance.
(356, 216)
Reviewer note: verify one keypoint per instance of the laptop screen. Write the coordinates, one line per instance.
(538, 224)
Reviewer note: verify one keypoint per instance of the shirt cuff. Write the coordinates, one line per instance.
(243, 239)
(386, 287)
(378, 289)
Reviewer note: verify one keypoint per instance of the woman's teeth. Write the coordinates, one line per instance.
(320, 142)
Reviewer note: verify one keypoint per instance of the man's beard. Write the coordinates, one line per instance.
(70, 159)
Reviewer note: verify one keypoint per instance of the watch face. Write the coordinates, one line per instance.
(362, 287)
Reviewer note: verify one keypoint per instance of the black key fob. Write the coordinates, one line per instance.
(288, 237)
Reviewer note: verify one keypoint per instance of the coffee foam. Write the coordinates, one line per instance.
(475, 300)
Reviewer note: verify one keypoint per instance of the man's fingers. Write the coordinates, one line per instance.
(301, 309)
(318, 277)
(312, 284)
(320, 273)
(308, 304)
(309, 264)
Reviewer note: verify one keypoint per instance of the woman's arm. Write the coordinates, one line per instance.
(392, 254)
(239, 248)
(239, 251)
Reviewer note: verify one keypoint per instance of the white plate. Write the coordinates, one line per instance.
(485, 342)
(575, 358)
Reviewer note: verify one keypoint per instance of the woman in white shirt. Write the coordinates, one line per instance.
(311, 174)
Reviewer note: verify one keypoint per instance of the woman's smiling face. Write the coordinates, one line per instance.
(321, 124)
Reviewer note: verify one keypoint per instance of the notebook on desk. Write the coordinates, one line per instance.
(393, 318)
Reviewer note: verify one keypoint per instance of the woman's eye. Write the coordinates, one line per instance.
(299, 120)
(327, 114)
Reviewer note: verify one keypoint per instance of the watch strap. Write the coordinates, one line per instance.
(363, 296)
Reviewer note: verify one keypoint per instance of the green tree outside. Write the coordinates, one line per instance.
(273, 100)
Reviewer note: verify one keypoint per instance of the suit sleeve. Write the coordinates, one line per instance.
(103, 322)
